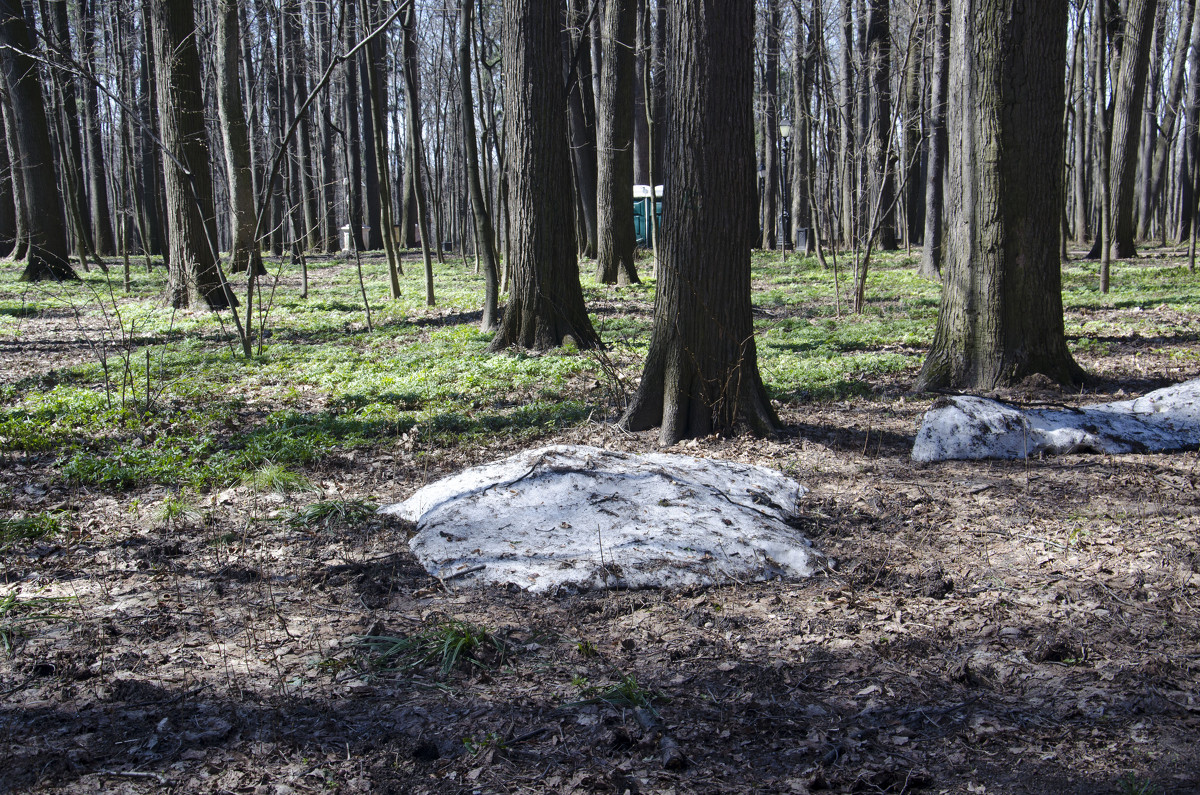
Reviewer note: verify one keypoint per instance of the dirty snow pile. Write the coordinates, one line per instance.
(582, 518)
(974, 427)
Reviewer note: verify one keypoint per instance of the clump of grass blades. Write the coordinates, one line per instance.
(272, 477)
(627, 692)
(446, 644)
(328, 513)
(16, 614)
(27, 528)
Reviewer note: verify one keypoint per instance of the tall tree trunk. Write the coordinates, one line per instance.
(352, 107)
(485, 234)
(371, 171)
(245, 251)
(701, 373)
(879, 71)
(641, 132)
(194, 272)
(97, 171)
(46, 224)
(1080, 173)
(374, 88)
(1001, 315)
(770, 129)
(614, 144)
(847, 129)
(1150, 130)
(1187, 37)
(64, 124)
(1191, 146)
(931, 256)
(581, 119)
(545, 305)
(8, 189)
(1135, 27)
(910, 160)
(416, 147)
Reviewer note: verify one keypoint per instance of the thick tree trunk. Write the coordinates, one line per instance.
(351, 107)
(614, 143)
(485, 233)
(194, 273)
(545, 306)
(701, 373)
(1150, 130)
(374, 240)
(46, 223)
(244, 249)
(641, 80)
(153, 214)
(879, 71)
(931, 256)
(1001, 316)
(1128, 96)
(8, 190)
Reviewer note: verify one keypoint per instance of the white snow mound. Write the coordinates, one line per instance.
(581, 518)
(973, 427)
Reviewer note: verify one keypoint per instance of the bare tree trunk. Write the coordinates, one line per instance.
(1001, 315)
(416, 147)
(931, 256)
(485, 234)
(581, 121)
(910, 159)
(97, 172)
(8, 189)
(545, 306)
(245, 252)
(770, 129)
(879, 60)
(194, 272)
(375, 90)
(701, 374)
(46, 225)
(847, 114)
(1080, 205)
(1187, 37)
(614, 143)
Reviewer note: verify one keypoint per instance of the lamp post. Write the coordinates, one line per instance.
(785, 135)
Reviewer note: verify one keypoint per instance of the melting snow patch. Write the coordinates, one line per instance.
(974, 427)
(581, 517)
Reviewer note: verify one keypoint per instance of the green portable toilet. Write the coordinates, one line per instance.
(643, 196)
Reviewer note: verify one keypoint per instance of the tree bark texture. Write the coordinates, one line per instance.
(614, 144)
(701, 374)
(879, 71)
(192, 233)
(931, 255)
(1129, 93)
(97, 170)
(46, 225)
(244, 249)
(770, 130)
(581, 120)
(485, 233)
(545, 305)
(8, 189)
(1001, 315)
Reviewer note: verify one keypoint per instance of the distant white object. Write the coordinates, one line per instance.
(643, 191)
(582, 518)
(973, 427)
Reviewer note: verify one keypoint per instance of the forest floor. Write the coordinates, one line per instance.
(174, 626)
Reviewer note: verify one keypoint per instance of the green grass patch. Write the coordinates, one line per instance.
(21, 528)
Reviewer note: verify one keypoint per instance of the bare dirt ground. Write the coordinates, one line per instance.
(998, 627)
